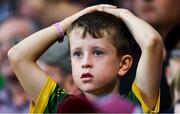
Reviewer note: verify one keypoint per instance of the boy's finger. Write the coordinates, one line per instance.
(102, 8)
(109, 10)
(107, 5)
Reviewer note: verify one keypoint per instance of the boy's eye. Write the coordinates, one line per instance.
(98, 53)
(77, 54)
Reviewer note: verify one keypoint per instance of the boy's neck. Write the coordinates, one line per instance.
(94, 97)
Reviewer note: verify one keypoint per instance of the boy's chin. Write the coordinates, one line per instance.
(89, 90)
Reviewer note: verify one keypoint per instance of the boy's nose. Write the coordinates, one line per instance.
(86, 66)
(87, 63)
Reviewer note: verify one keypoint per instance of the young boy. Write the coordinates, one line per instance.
(101, 52)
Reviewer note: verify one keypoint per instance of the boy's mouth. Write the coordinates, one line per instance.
(86, 75)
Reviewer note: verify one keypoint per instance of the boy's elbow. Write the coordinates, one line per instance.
(13, 56)
(154, 43)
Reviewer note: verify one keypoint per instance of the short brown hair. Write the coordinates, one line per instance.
(101, 24)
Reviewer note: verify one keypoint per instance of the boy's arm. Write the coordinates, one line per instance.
(148, 74)
(23, 56)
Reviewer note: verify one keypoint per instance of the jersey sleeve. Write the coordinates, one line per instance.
(49, 98)
(137, 99)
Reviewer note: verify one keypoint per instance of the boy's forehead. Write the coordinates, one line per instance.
(76, 32)
(77, 37)
(80, 32)
(89, 43)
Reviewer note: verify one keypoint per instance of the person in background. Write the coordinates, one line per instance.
(173, 78)
(13, 30)
(172, 44)
(13, 98)
(161, 14)
(7, 7)
(176, 89)
(172, 69)
(51, 11)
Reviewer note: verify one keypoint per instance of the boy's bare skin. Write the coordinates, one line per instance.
(23, 56)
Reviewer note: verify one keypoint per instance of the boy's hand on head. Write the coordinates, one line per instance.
(100, 7)
(116, 11)
(67, 22)
(150, 42)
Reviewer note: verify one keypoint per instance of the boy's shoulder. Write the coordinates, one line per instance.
(53, 99)
(135, 96)
(49, 98)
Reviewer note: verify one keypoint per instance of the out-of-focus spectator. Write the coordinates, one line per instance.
(2, 81)
(172, 44)
(127, 4)
(173, 66)
(12, 95)
(106, 104)
(13, 98)
(7, 7)
(12, 31)
(172, 38)
(57, 64)
(51, 11)
(176, 91)
(172, 62)
(162, 14)
(116, 104)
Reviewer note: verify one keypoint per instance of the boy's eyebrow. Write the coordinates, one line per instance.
(94, 47)
(77, 48)
(102, 48)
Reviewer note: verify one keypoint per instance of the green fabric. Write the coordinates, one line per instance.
(2, 81)
(58, 95)
(55, 99)
(133, 98)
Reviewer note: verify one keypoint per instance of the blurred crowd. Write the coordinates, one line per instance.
(20, 18)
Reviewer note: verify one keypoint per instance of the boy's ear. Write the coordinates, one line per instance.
(125, 64)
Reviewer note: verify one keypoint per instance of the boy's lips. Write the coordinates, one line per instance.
(86, 75)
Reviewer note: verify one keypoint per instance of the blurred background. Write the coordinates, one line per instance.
(20, 18)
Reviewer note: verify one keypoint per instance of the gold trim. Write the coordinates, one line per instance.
(145, 108)
(43, 97)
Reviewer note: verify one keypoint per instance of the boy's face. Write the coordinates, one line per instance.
(95, 64)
